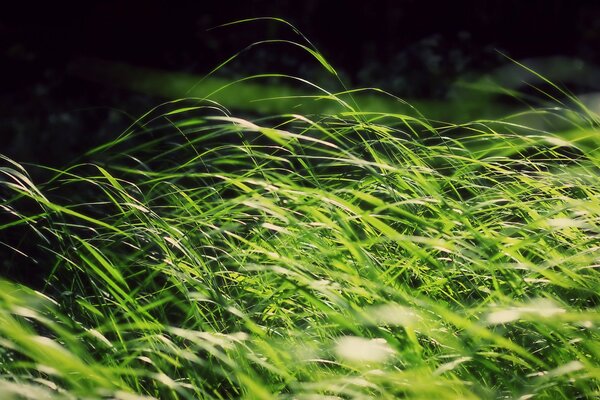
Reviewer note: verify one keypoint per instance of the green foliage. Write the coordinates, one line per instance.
(319, 256)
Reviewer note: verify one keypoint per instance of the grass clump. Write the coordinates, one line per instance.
(348, 255)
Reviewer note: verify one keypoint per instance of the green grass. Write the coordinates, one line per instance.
(344, 255)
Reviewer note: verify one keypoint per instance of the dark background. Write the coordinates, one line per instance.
(412, 48)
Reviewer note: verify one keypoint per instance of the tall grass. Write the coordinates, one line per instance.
(348, 255)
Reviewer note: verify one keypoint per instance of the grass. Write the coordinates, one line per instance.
(353, 254)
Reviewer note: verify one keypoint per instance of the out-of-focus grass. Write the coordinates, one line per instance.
(277, 93)
(491, 96)
(348, 254)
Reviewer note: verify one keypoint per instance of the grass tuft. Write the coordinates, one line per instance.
(344, 255)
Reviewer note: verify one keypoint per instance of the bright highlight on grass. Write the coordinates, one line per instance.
(351, 255)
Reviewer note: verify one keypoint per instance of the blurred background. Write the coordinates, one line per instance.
(74, 75)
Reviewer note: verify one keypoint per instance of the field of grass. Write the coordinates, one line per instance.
(339, 255)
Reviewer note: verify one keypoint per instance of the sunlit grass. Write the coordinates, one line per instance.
(312, 256)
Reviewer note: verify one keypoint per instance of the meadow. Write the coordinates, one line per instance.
(351, 253)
